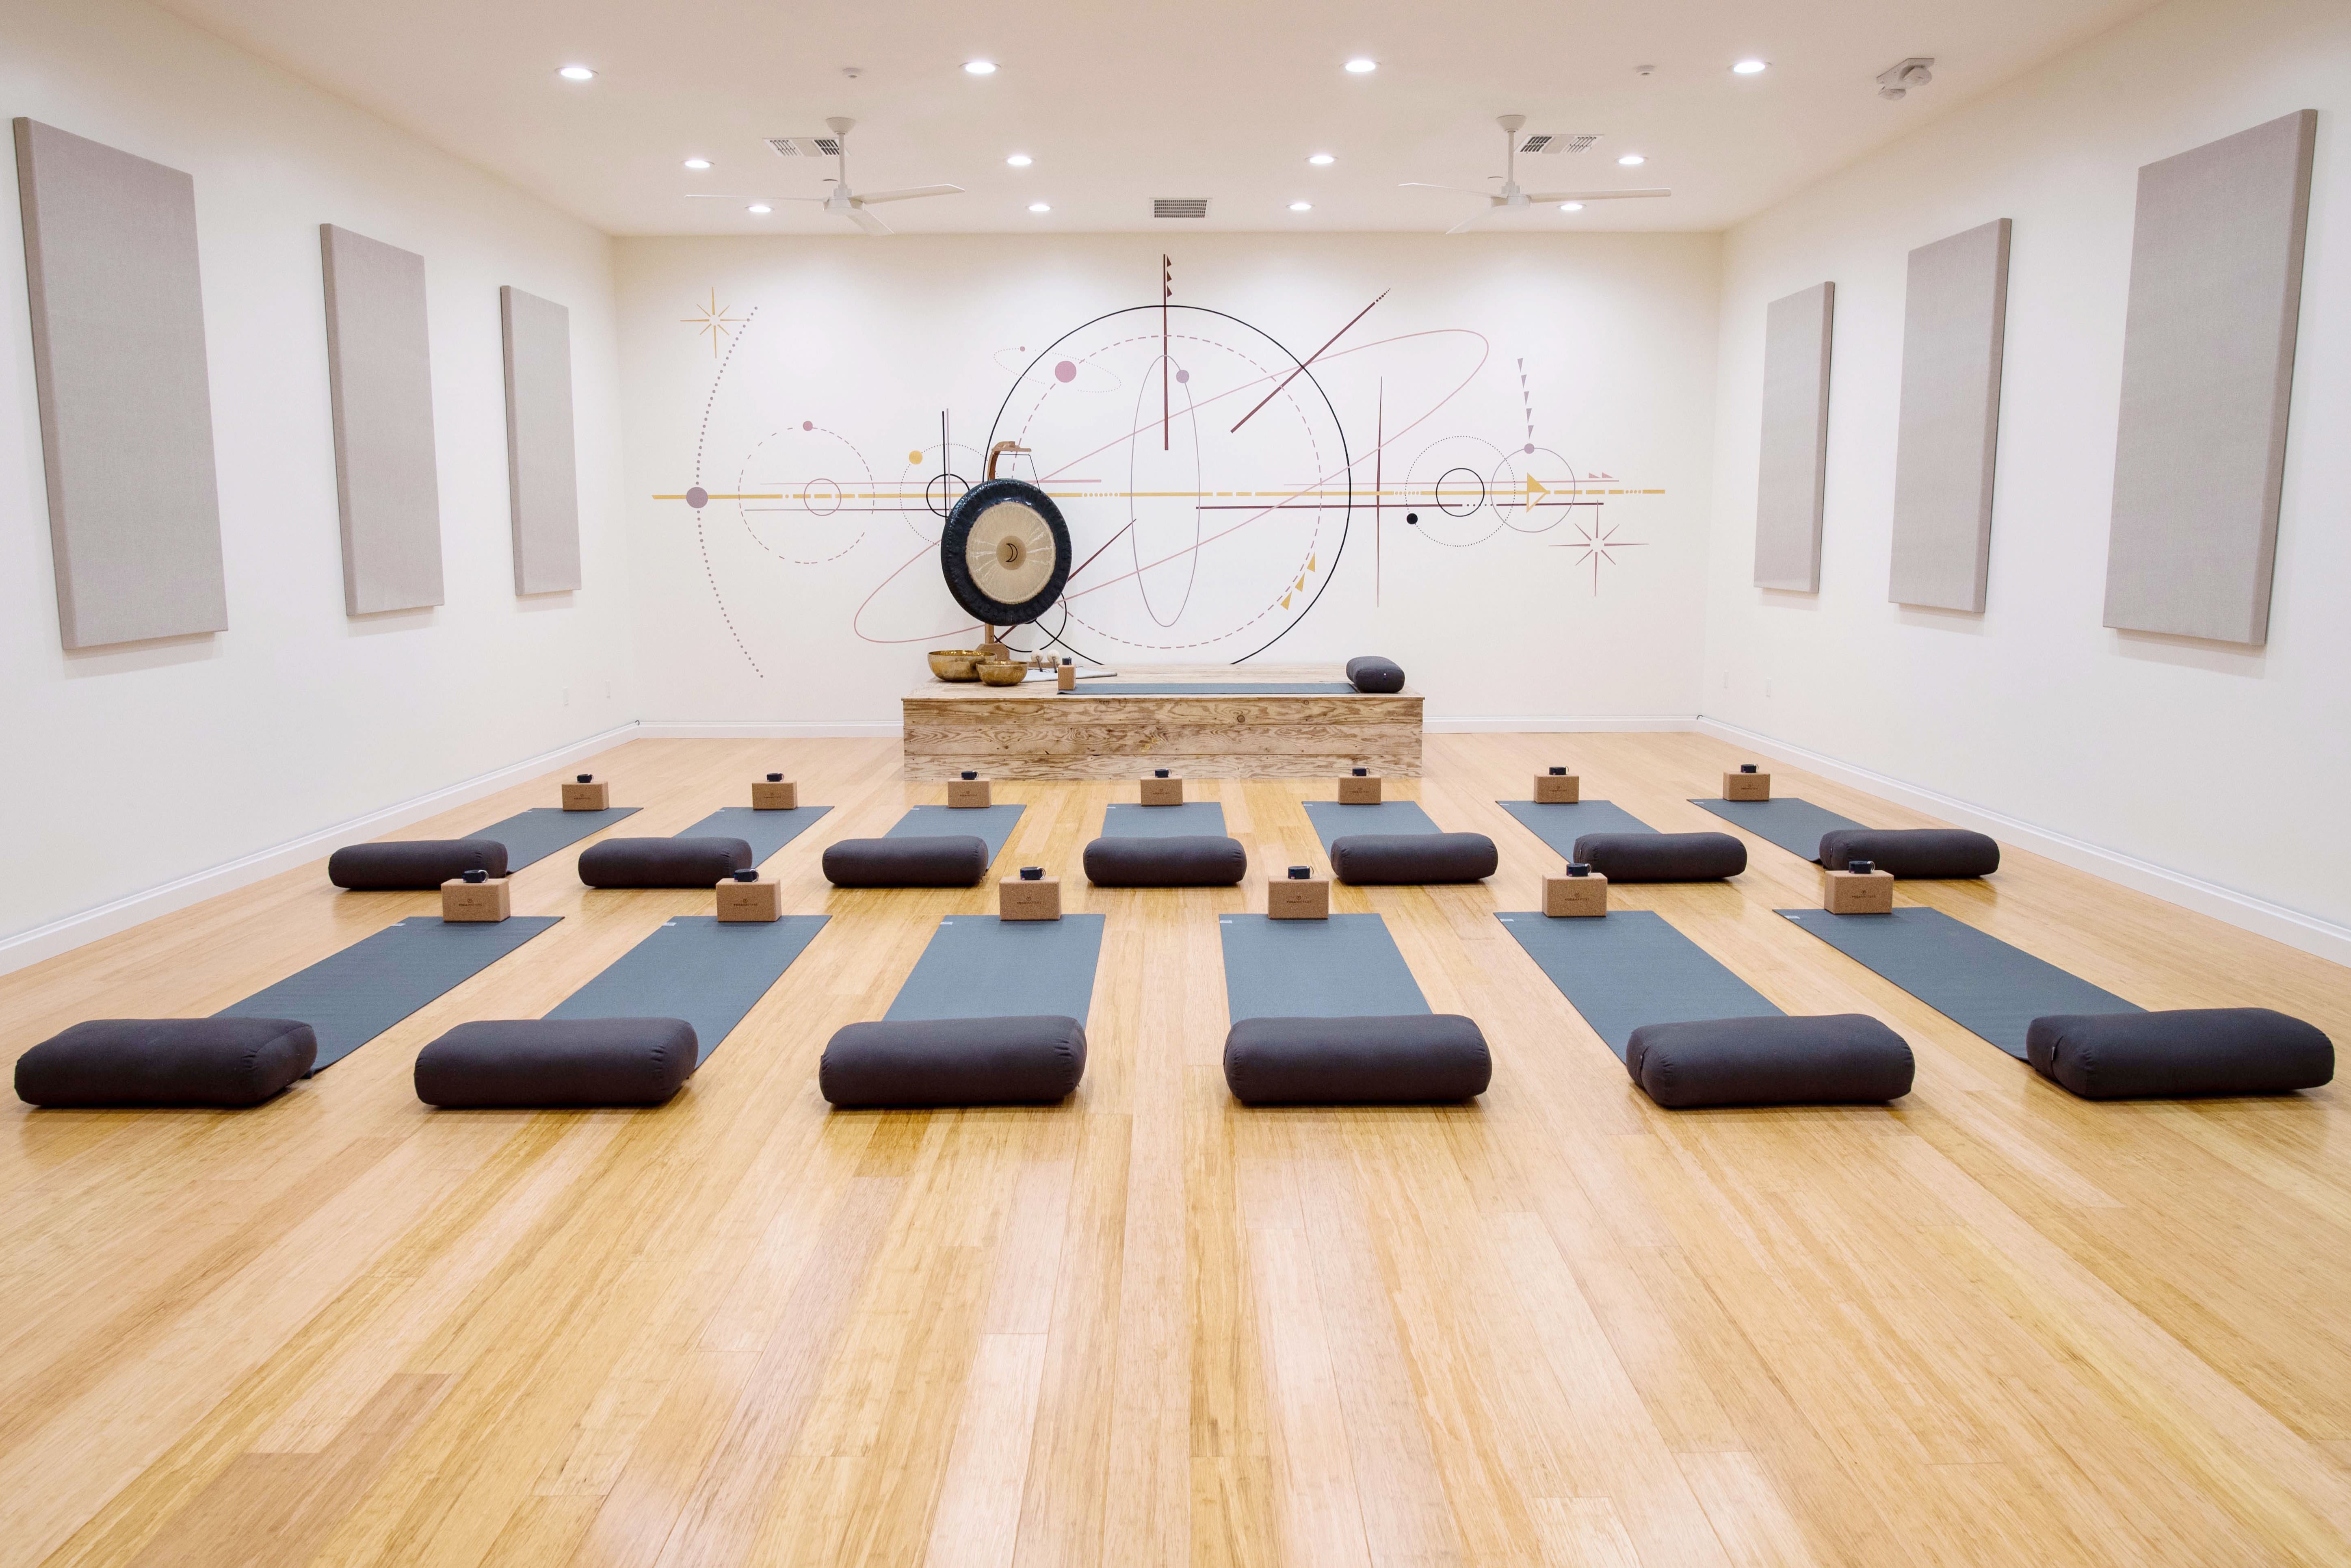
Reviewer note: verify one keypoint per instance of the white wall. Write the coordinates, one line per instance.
(132, 767)
(761, 616)
(2224, 764)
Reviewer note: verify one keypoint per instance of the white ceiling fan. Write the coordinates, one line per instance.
(1512, 199)
(841, 202)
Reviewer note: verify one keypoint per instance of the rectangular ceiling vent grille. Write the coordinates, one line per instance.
(805, 146)
(1179, 207)
(1551, 143)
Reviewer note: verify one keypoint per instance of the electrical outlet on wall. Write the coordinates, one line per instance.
(1766, 685)
(566, 696)
(1726, 680)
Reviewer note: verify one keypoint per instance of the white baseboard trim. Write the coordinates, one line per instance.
(769, 729)
(2295, 929)
(87, 925)
(1601, 724)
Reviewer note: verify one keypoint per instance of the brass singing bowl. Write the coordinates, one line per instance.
(1003, 672)
(955, 663)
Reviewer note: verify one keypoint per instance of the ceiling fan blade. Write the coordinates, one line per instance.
(1473, 220)
(912, 191)
(723, 196)
(1593, 196)
(867, 221)
(1457, 190)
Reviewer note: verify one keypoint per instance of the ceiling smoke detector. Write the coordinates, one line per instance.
(1553, 144)
(1895, 82)
(1179, 206)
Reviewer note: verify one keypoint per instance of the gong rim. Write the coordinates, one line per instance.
(1038, 523)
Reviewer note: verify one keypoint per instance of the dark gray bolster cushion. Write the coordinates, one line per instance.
(950, 859)
(166, 1061)
(1831, 1059)
(417, 865)
(527, 1063)
(663, 863)
(1917, 854)
(1374, 674)
(1663, 857)
(1409, 1059)
(1189, 860)
(2166, 1055)
(953, 1061)
(1374, 858)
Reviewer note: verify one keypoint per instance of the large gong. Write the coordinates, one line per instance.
(1006, 552)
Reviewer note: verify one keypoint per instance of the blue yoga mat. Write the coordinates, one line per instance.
(1193, 819)
(1630, 967)
(353, 996)
(977, 967)
(1559, 826)
(1796, 826)
(697, 967)
(994, 823)
(531, 836)
(1343, 967)
(1333, 820)
(765, 831)
(1212, 689)
(1971, 978)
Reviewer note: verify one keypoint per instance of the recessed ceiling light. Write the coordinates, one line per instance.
(1301, 206)
(1570, 206)
(1321, 159)
(1040, 207)
(1748, 67)
(1019, 160)
(760, 208)
(1362, 66)
(1632, 160)
(980, 68)
(575, 73)
(698, 163)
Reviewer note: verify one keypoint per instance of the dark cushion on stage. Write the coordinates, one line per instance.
(2167, 1055)
(1374, 674)
(1917, 854)
(1407, 1058)
(950, 859)
(1371, 858)
(1661, 857)
(663, 863)
(166, 1061)
(1842, 1057)
(557, 1061)
(416, 865)
(953, 1061)
(1190, 861)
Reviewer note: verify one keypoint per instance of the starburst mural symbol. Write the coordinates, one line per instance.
(713, 319)
(1597, 542)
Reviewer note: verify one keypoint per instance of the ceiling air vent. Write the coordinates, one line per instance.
(1179, 206)
(1554, 143)
(805, 146)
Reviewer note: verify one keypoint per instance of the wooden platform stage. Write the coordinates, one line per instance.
(1994, 1325)
(1106, 730)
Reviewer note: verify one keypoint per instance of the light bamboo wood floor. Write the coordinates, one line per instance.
(1558, 1327)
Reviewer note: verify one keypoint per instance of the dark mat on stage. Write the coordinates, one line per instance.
(1971, 978)
(1796, 826)
(765, 831)
(1192, 820)
(1559, 826)
(994, 823)
(976, 966)
(1213, 689)
(1333, 820)
(1345, 966)
(533, 835)
(350, 997)
(697, 967)
(1630, 967)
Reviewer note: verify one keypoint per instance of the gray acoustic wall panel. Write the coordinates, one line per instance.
(1790, 488)
(1954, 317)
(120, 374)
(2207, 372)
(542, 475)
(380, 381)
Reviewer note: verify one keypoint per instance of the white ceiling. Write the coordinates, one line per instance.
(1122, 102)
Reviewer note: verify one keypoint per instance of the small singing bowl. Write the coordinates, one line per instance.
(1003, 672)
(955, 663)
